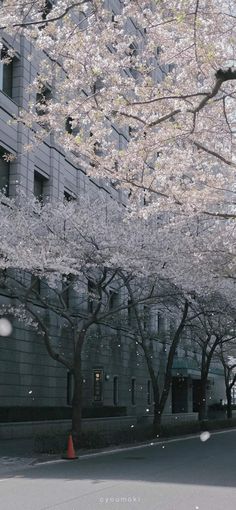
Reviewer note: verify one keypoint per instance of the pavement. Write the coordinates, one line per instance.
(16, 453)
(178, 474)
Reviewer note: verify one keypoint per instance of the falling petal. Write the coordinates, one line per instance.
(204, 436)
(5, 327)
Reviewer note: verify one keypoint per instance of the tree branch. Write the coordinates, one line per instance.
(47, 20)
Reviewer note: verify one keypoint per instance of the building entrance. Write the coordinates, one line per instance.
(196, 395)
(179, 395)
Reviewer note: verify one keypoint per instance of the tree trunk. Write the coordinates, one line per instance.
(77, 395)
(229, 403)
(157, 420)
(202, 415)
(157, 410)
(162, 398)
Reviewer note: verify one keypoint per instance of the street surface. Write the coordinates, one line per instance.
(184, 474)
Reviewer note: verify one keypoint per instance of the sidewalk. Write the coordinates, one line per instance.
(17, 453)
(16, 447)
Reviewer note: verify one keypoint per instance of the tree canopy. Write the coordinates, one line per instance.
(159, 75)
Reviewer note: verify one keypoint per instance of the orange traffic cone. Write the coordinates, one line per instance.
(70, 454)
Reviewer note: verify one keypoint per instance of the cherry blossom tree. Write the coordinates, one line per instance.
(143, 97)
(214, 330)
(162, 74)
(73, 248)
(158, 345)
(229, 365)
(79, 247)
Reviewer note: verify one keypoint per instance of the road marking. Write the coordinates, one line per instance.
(45, 462)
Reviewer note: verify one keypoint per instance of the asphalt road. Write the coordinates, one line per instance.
(179, 475)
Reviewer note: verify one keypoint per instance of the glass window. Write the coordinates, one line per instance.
(133, 52)
(130, 313)
(42, 98)
(3, 278)
(71, 126)
(146, 318)
(35, 284)
(66, 285)
(48, 5)
(113, 300)
(39, 186)
(92, 292)
(6, 74)
(4, 173)
(98, 385)
(68, 125)
(68, 197)
(115, 391)
(133, 391)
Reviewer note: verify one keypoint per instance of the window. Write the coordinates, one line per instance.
(130, 313)
(68, 197)
(149, 392)
(39, 186)
(68, 125)
(113, 300)
(3, 278)
(98, 85)
(114, 20)
(91, 295)
(6, 74)
(42, 98)
(65, 294)
(133, 391)
(46, 9)
(72, 126)
(67, 283)
(98, 385)
(146, 318)
(97, 149)
(48, 4)
(35, 284)
(4, 173)
(115, 391)
(133, 52)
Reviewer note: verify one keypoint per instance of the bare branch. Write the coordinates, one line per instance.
(215, 154)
